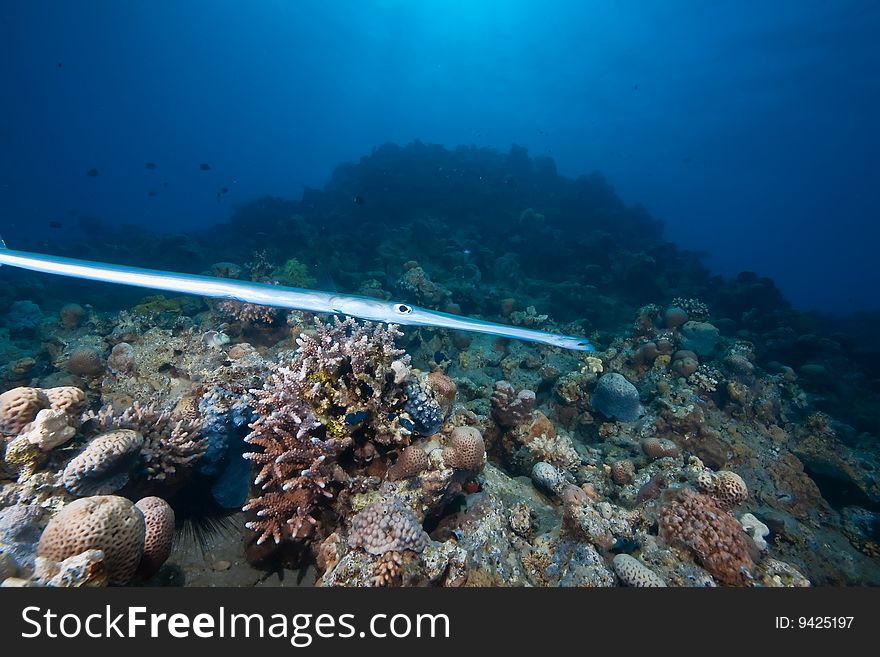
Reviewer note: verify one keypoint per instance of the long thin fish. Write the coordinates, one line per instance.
(279, 296)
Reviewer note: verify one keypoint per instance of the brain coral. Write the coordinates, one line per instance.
(716, 538)
(466, 450)
(102, 467)
(728, 488)
(633, 572)
(617, 398)
(411, 462)
(387, 527)
(68, 399)
(18, 407)
(159, 521)
(108, 523)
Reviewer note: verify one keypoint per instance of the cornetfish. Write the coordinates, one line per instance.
(264, 294)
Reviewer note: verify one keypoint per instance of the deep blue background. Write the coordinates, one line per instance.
(749, 128)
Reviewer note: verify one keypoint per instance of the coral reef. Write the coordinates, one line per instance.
(715, 437)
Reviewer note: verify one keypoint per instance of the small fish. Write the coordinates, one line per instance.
(358, 200)
(55, 224)
(92, 172)
(164, 184)
(151, 193)
(60, 65)
(150, 165)
(635, 87)
(219, 196)
(204, 166)
(687, 159)
(223, 190)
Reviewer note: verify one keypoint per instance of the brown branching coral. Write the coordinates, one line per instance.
(170, 443)
(248, 313)
(339, 381)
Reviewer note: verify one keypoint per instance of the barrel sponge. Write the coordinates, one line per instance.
(159, 521)
(633, 572)
(387, 526)
(102, 467)
(466, 450)
(108, 523)
(18, 407)
(411, 462)
(68, 399)
(617, 398)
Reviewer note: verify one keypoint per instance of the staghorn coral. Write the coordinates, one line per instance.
(170, 444)
(717, 539)
(103, 466)
(345, 370)
(108, 523)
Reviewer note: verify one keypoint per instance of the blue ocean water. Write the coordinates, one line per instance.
(749, 130)
(690, 186)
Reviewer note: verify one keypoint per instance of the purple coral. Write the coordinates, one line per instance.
(303, 419)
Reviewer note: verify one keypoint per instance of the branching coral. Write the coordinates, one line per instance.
(170, 443)
(339, 381)
(248, 313)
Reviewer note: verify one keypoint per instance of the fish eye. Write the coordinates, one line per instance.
(403, 308)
